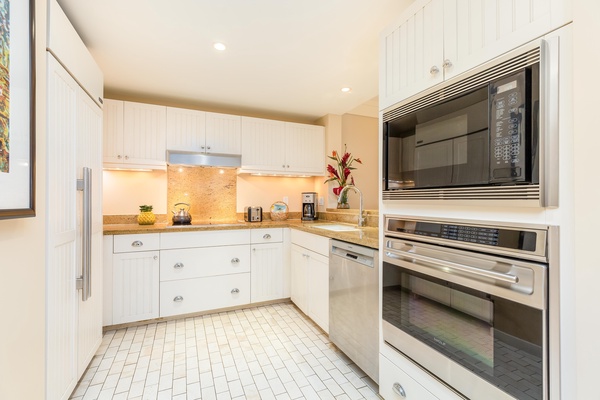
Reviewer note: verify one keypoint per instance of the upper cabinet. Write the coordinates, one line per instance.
(435, 40)
(204, 132)
(134, 135)
(277, 147)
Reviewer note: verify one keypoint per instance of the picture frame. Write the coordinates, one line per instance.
(17, 109)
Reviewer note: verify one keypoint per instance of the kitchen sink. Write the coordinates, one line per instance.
(337, 227)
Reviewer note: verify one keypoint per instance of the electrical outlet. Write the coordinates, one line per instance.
(286, 200)
(321, 201)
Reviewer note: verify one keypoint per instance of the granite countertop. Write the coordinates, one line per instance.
(365, 236)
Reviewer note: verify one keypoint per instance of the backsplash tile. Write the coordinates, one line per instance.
(211, 192)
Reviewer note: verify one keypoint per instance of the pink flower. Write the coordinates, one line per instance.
(337, 190)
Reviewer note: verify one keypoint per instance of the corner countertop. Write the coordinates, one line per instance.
(365, 236)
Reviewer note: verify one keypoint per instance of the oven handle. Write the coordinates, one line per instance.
(459, 267)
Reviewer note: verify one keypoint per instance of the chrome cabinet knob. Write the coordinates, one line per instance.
(178, 265)
(235, 260)
(207, 147)
(266, 236)
(399, 389)
(434, 70)
(119, 156)
(155, 257)
(178, 299)
(447, 64)
(137, 243)
(202, 147)
(235, 291)
(127, 157)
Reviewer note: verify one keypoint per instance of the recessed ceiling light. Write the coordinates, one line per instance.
(219, 46)
(346, 89)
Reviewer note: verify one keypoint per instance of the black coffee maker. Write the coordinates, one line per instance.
(309, 206)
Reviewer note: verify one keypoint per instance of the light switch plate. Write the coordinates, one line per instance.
(286, 200)
(321, 201)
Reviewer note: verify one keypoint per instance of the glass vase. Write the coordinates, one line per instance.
(343, 200)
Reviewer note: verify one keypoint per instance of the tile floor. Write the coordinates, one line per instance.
(267, 352)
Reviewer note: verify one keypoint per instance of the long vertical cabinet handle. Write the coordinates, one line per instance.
(549, 111)
(85, 185)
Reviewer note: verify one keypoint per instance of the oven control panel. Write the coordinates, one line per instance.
(527, 240)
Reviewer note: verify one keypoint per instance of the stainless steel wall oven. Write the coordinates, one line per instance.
(468, 302)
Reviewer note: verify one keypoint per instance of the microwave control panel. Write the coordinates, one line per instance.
(508, 99)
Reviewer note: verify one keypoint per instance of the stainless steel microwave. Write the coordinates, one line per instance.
(477, 138)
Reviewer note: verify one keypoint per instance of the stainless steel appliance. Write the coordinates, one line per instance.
(354, 304)
(485, 136)
(253, 214)
(182, 215)
(468, 302)
(309, 206)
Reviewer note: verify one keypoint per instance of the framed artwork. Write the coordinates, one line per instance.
(17, 109)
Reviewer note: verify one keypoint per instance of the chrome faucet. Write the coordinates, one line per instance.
(361, 220)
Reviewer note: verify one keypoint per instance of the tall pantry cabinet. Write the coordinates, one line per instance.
(74, 207)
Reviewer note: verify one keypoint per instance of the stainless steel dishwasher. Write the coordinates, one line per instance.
(354, 304)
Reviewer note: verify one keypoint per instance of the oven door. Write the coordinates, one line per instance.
(477, 322)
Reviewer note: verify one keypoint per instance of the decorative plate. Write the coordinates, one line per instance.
(279, 211)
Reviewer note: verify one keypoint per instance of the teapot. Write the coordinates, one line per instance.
(182, 217)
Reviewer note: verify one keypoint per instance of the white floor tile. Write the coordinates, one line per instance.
(268, 352)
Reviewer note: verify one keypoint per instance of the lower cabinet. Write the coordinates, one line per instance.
(310, 276)
(201, 294)
(135, 275)
(268, 266)
(394, 383)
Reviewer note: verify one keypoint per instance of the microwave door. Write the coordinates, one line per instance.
(471, 159)
(433, 164)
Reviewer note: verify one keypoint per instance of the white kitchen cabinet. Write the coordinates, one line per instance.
(199, 131)
(267, 279)
(279, 147)
(204, 270)
(394, 383)
(310, 276)
(135, 277)
(134, 135)
(135, 286)
(435, 40)
(399, 374)
(201, 294)
(223, 133)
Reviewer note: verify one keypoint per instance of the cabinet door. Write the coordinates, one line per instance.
(476, 31)
(266, 278)
(135, 286)
(186, 129)
(412, 53)
(318, 289)
(223, 133)
(145, 138)
(299, 274)
(394, 383)
(263, 145)
(113, 131)
(305, 148)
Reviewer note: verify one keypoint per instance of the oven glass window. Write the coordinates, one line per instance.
(497, 339)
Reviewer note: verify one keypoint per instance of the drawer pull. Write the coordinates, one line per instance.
(235, 291)
(178, 299)
(155, 257)
(178, 265)
(266, 236)
(399, 389)
(137, 243)
(235, 260)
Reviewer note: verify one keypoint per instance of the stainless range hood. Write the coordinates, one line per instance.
(177, 157)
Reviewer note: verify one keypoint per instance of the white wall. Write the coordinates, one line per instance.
(22, 287)
(587, 194)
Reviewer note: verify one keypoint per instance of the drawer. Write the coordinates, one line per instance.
(316, 243)
(136, 242)
(269, 235)
(394, 383)
(204, 261)
(183, 240)
(201, 294)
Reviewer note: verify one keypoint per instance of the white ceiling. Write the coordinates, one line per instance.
(287, 58)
